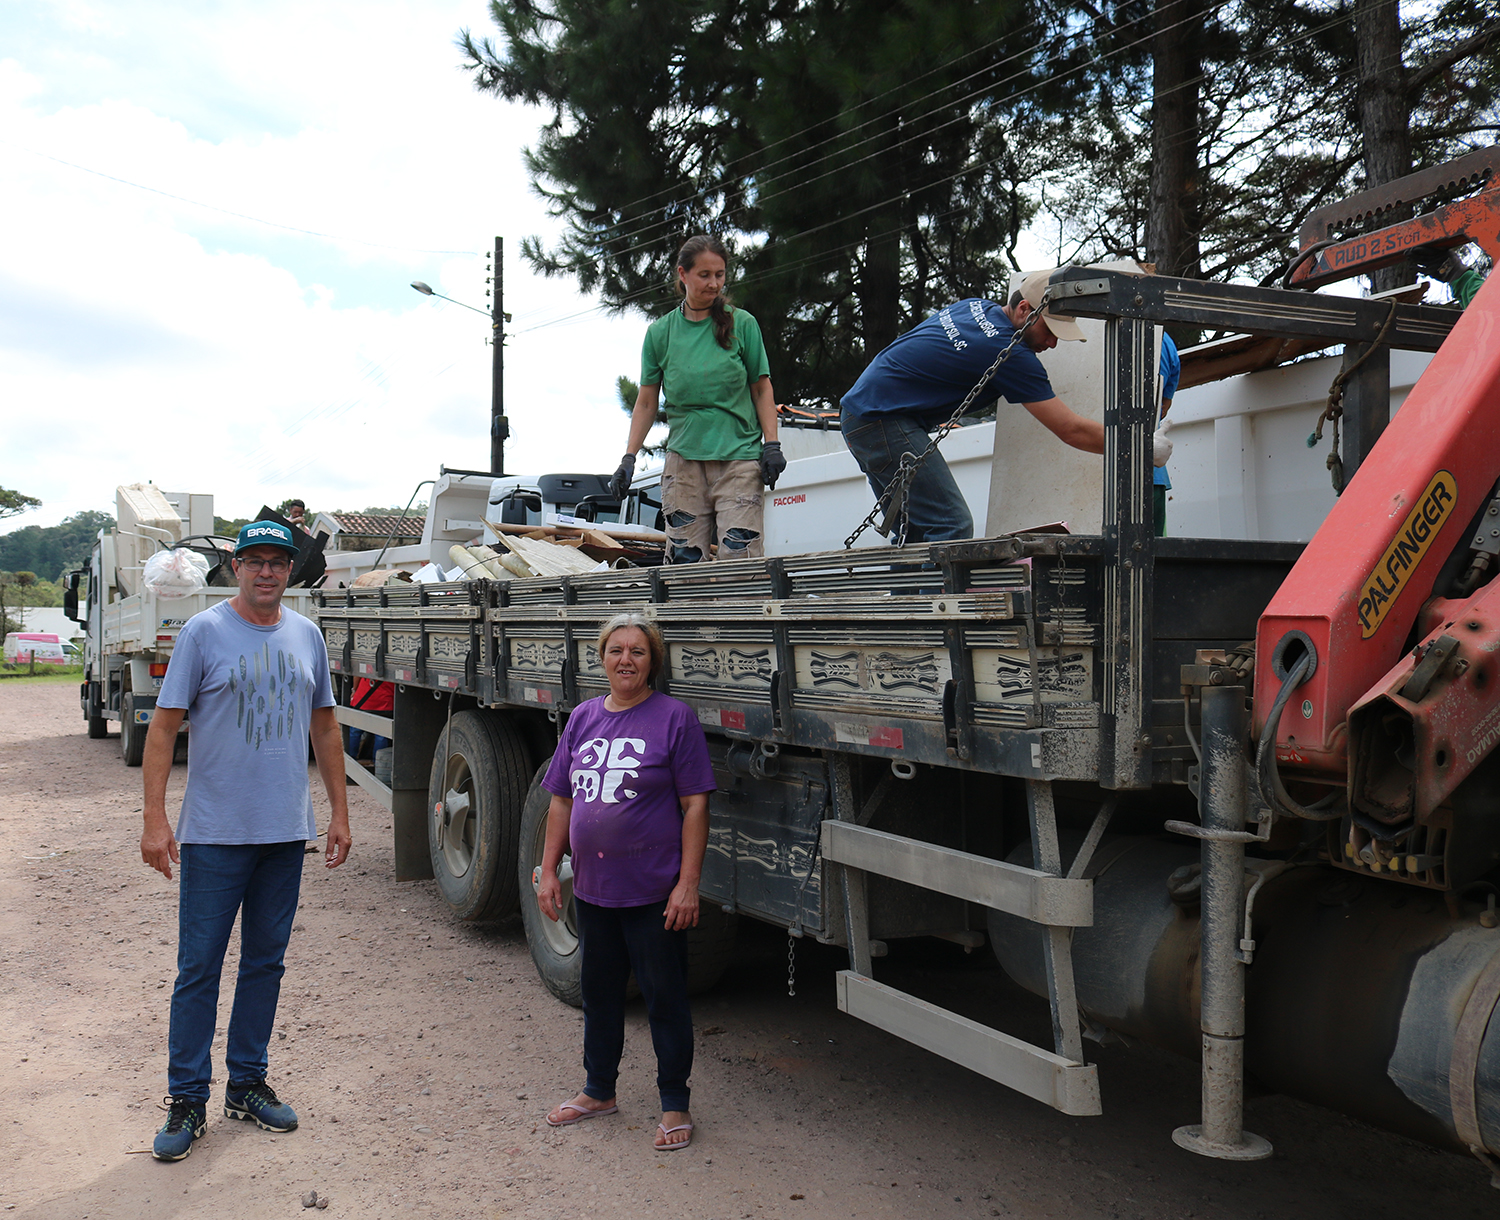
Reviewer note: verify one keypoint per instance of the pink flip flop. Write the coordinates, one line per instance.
(666, 1131)
(580, 1113)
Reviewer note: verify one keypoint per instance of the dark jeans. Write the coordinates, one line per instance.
(935, 508)
(259, 882)
(357, 741)
(613, 941)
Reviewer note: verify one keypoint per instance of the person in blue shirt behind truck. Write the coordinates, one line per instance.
(1171, 374)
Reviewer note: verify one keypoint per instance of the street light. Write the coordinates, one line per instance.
(428, 292)
(499, 425)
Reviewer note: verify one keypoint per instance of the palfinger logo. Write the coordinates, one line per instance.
(1407, 550)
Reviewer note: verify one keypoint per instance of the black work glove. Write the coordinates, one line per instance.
(772, 463)
(1440, 264)
(619, 482)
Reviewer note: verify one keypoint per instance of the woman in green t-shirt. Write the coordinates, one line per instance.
(721, 414)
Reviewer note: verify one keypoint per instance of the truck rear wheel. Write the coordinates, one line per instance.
(474, 802)
(554, 945)
(710, 946)
(132, 735)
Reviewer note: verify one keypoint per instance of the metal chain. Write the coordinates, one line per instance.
(892, 502)
(791, 965)
(1333, 409)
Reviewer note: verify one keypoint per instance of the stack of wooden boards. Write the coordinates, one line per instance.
(552, 550)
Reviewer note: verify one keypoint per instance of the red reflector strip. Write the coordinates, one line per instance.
(885, 736)
(721, 718)
(533, 694)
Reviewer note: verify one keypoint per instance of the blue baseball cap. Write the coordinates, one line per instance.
(265, 533)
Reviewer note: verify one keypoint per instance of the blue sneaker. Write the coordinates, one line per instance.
(255, 1101)
(186, 1121)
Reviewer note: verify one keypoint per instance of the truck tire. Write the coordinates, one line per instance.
(98, 725)
(710, 946)
(554, 945)
(132, 736)
(474, 800)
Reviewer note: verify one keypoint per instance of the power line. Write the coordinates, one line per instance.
(898, 111)
(974, 168)
(272, 224)
(803, 183)
(917, 135)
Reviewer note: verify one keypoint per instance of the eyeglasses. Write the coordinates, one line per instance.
(257, 565)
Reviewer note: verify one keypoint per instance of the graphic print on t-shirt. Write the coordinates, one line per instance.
(266, 695)
(607, 763)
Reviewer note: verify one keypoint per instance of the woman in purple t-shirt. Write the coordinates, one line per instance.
(630, 784)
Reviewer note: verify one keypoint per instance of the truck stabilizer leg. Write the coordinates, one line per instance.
(1223, 802)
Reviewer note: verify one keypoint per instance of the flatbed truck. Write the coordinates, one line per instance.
(1040, 740)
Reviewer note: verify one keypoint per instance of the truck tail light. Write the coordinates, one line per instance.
(158, 669)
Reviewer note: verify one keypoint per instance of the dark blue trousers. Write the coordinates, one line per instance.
(259, 883)
(935, 508)
(614, 941)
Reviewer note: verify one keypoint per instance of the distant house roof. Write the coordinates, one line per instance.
(367, 526)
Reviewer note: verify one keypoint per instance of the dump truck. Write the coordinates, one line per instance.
(1234, 796)
(131, 623)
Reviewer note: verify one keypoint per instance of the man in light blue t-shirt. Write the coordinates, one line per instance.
(255, 679)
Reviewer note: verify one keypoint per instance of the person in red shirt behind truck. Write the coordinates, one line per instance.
(370, 697)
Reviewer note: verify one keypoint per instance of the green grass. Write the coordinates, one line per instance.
(44, 673)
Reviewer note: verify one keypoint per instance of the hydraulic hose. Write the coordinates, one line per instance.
(1266, 770)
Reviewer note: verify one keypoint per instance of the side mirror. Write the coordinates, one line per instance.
(70, 597)
(519, 508)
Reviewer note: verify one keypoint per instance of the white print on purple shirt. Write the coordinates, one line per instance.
(614, 759)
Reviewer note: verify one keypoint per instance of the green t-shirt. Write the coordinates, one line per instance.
(705, 389)
(1466, 286)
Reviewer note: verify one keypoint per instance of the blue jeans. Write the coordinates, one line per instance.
(260, 882)
(613, 941)
(935, 508)
(356, 742)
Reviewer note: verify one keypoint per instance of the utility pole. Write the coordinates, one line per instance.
(499, 425)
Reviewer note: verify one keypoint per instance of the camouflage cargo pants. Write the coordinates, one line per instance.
(709, 504)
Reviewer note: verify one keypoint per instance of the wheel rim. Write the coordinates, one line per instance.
(561, 934)
(456, 821)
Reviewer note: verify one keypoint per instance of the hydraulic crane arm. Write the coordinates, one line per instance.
(1409, 514)
(1324, 258)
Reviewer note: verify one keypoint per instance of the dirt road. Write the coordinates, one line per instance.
(421, 1056)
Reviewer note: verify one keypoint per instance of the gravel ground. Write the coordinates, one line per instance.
(422, 1054)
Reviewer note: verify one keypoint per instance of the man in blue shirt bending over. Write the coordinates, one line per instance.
(916, 383)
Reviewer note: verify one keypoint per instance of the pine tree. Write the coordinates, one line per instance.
(851, 155)
(867, 161)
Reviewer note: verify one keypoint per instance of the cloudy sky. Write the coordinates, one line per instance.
(210, 215)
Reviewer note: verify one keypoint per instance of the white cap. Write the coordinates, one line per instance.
(1033, 286)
